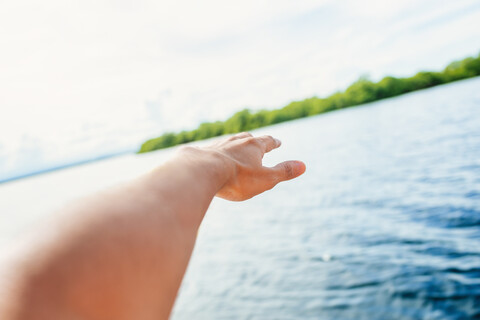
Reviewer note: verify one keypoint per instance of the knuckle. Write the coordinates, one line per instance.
(243, 134)
(288, 170)
(252, 140)
(239, 136)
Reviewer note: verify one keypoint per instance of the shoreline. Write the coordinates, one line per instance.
(361, 92)
(133, 152)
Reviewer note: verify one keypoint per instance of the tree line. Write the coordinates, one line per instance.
(360, 92)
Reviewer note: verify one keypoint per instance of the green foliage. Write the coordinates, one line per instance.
(238, 122)
(361, 91)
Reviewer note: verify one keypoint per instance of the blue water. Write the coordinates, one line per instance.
(385, 224)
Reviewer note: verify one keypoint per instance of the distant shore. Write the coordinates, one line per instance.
(360, 92)
(60, 166)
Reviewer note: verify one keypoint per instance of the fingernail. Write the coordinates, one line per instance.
(279, 143)
(300, 167)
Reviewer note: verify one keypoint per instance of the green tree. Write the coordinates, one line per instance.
(361, 91)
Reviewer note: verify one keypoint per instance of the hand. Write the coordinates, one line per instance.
(248, 177)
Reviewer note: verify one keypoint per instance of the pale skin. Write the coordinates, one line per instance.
(122, 254)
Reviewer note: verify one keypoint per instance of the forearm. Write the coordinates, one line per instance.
(124, 252)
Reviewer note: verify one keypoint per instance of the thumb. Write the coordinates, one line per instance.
(289, 169)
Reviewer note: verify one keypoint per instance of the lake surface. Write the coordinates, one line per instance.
(385, 223)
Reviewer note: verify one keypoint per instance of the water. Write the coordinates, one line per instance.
(385, 224)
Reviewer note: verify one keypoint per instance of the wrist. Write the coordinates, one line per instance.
(209, 165)
(185, 185)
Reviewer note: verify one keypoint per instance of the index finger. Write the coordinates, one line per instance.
(268, 142)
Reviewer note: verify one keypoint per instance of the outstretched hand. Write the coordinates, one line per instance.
(248, 177)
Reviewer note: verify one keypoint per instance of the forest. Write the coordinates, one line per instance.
(360, 92)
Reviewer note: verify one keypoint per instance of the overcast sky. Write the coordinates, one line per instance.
(82, 78)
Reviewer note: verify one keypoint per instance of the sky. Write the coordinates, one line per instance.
(82, 79)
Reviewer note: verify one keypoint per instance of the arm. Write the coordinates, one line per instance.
(123, 253)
